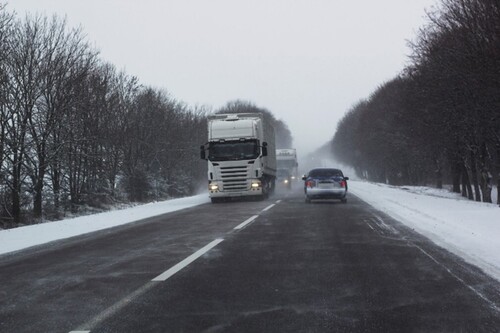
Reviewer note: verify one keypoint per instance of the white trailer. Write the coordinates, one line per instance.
(286, 160)
(241, 156)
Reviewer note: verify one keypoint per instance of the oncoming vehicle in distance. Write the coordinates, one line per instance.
(325, 183)
(284, 179)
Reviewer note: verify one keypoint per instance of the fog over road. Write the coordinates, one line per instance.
(278, 265)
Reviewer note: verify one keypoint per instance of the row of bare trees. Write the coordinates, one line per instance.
(439, 121)
(75, 132)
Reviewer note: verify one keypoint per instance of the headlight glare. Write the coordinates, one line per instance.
(256, 184)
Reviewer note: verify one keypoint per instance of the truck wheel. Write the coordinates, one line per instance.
(216, 200)
(266, 189)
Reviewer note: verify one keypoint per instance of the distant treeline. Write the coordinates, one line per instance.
(77, 134)
(439, 120)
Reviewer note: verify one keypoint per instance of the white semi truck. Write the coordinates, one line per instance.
(241, 156)
(287, 167)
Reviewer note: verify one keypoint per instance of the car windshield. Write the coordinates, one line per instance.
(326, 173)
(233, 150)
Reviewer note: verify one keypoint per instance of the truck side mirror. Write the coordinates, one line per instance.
(264, 148)
(202, 153)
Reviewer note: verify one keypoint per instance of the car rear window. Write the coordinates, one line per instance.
(325, 173)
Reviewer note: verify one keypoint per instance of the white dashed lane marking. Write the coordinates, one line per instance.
(268, 207)
(174, 269)
(244, 224)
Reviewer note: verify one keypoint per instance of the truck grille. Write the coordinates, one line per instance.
(234, 178)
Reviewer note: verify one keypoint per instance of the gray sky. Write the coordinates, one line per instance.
(307, 61)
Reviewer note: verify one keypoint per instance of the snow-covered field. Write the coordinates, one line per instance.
(466, 228)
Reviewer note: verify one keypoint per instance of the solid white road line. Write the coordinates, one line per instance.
(79, 332)
(490, 303)
(268, 207)
(242, 225)
(278, 201)
(174, 269)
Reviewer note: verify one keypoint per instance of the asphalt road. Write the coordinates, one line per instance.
(279, 265)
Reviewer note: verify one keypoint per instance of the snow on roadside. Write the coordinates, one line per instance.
(23, 237)
(466, 228)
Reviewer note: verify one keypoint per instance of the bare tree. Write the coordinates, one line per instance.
(24, 77)
(5, 33)
(65, 58)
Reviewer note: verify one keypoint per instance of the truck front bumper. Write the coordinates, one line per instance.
(254, 188)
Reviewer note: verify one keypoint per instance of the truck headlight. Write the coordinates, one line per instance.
(213, 187)
(256, 184)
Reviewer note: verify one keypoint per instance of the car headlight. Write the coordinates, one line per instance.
(286, 181)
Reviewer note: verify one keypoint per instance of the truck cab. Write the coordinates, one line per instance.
(241, 156)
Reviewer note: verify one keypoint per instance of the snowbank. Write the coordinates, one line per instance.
(23, 237)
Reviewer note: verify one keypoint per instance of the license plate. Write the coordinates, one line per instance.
(325, 185)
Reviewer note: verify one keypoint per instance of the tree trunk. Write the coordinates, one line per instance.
(473, 176)
(498, 190)
(455, 171)
(37, 203)
(486, 176)
(16, 188)
(466, 185)
(439, 174)
(486, 185)
(57, 196)
(498, 172)
(16, 198)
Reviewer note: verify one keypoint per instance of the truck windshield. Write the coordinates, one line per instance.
(233, 150)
